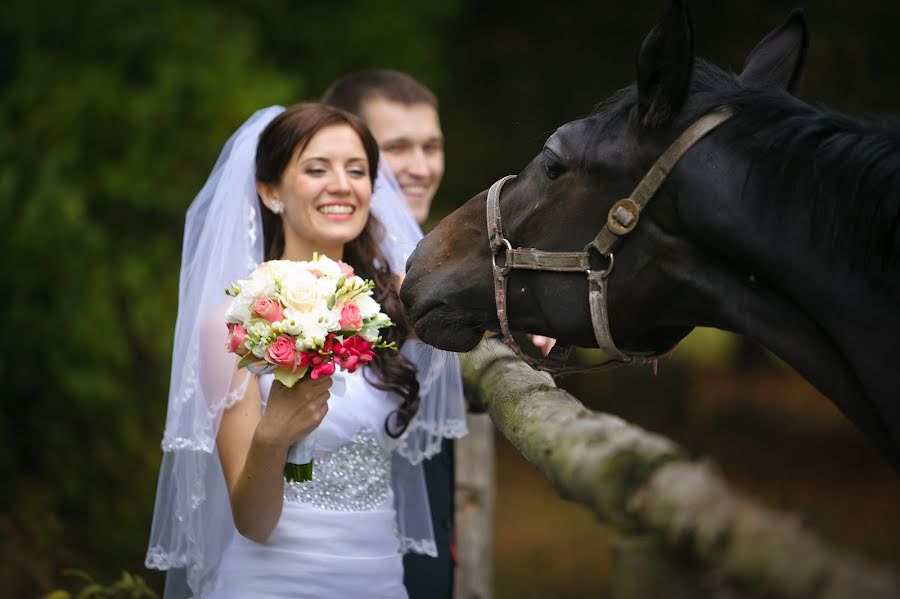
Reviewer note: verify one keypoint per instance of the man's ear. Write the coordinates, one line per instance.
(777, 61)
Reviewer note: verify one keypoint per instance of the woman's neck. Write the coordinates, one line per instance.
(299, 251)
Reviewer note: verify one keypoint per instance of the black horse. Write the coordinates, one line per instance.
(783, 224)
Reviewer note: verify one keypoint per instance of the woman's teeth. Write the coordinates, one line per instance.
(336, 209)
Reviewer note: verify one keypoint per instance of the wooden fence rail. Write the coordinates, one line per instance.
(660, 502)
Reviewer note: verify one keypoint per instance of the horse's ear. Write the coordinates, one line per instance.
(777, 61)
(664, 66)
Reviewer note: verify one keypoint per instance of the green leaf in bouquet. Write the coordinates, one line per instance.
(248, 360)
(288, 378)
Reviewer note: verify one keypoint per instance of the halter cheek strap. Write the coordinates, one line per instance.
(621, 220)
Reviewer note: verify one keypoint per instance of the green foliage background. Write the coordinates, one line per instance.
(112, 114)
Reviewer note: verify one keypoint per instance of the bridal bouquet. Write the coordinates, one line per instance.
(297, 318)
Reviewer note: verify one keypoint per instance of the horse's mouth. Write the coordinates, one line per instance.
(446, 328)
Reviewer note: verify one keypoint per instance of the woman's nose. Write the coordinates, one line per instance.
(339, 183)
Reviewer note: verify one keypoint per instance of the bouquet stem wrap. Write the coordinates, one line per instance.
(299, 465)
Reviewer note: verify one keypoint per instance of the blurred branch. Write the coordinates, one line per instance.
(639, 482)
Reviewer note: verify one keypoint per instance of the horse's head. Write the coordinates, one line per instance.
(562, 198)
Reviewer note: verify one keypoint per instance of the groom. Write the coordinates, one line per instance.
(402, 115)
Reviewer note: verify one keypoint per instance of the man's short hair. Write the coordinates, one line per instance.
(352, 91)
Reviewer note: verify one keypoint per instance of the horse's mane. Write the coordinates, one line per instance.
(842, 171)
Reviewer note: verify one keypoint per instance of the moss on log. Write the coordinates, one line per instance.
(640, 482)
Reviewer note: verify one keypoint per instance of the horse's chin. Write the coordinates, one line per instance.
(657, 341)
(443, 328)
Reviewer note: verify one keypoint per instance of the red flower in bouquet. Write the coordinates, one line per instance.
(354, 352)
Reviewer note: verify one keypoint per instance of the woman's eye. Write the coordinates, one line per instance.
(315, 171)
(356, 172)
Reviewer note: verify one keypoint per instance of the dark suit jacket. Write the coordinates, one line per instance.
(427, 577)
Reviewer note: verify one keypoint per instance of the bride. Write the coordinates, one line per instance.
(226, 525)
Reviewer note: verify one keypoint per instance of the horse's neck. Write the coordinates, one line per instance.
(770, 225)
(826, 209)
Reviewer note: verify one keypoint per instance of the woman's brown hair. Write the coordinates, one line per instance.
(290, 133)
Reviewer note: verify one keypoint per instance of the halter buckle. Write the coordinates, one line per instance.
(623, 216)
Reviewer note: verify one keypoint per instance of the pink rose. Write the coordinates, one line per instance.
(283, 353)
(346, 269)
(235, 341)
(351, 319)
(268, 308)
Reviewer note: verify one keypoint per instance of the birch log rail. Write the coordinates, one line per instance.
(643, 484)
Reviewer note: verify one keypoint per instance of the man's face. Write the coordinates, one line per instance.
(410, 137)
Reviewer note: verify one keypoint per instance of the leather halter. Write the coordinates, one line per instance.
(621, 220)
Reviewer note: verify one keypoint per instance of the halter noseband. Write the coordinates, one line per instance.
(621, 220)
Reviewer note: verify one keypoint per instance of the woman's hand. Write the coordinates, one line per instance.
(293, 413)
(544, 344)
(253, 446)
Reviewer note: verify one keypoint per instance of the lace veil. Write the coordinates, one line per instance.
(192, 520)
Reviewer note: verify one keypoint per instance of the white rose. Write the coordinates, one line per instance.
(258, 286)
(368, 307)
(328, 267)
(299, 291)
(326, 286)
(239, 310)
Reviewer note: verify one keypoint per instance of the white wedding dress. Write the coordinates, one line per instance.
(337, 535)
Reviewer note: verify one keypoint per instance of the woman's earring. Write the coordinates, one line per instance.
(277, 207)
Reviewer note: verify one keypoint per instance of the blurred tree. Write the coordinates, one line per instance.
(111, 116)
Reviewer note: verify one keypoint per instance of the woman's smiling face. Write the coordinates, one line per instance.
(325, 191)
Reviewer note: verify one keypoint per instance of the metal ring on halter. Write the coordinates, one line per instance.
(612, 262)
(602, 274)
(505, 267)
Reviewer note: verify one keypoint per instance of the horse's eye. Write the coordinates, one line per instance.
(552, 165)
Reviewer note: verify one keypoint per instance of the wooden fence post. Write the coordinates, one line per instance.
(475, 510)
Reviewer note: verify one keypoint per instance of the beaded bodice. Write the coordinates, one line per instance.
(355, 477)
